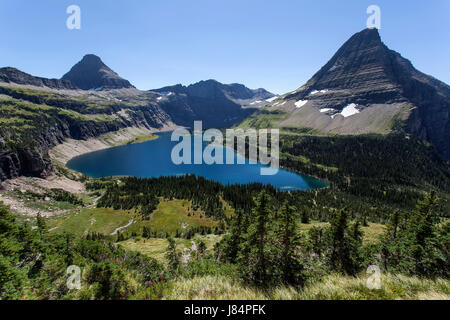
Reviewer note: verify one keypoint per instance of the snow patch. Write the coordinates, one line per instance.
(349, 110)
(326, 110)
(300, 103)
(255, 102)
(272, 99)
(318, 91)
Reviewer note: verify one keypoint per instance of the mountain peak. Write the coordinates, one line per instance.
(91, 73)
(380, 87)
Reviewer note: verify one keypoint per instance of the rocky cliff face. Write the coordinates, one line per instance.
(33, 160)
(377, 84)
(92, 74)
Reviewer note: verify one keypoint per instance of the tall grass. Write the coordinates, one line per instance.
(331, 287)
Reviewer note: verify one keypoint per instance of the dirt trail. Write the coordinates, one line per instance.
(123, 227)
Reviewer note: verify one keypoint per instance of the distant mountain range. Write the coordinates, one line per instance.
(366, 88)
(217, 104)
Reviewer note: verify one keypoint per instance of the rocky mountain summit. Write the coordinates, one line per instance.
(92, 74)
(366, 87)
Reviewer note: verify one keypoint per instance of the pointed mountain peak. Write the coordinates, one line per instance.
(365, 76)
(362, 64)
(92, 74)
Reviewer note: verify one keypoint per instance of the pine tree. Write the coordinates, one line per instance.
(172, 256)
(40, 223)
(422, 226)
(234, 238)
(342, 246)
(305, 215)
(290, 266)
(254, 252)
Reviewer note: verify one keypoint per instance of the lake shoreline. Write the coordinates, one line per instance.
(153, 159)
(71, 148)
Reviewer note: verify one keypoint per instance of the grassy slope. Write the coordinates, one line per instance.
(332, 287)
(102, 220)
(156, 247)
(168, 217)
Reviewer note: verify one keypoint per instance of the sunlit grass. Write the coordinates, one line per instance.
(332, 287)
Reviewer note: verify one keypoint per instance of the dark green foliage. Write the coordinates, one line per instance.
(109, 281)
(287, 235)
(256, 250)
(370, 166)
(33, 264)
(343, 244)
(418, 244)
(172, 256)
(62, 195)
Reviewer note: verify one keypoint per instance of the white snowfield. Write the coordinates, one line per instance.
(300, 103)
(349, 110)
(326, 110)
(317, 91)
(272, 99)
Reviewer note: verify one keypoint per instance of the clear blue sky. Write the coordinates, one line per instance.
(277, 45)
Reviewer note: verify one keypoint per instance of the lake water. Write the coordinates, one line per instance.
(153, 159)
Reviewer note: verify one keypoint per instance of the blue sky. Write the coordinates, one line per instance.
(277, 45)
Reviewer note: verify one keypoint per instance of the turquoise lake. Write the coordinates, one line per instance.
(153, 159)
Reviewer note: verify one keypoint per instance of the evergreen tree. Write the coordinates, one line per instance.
(305, 215)
(234, 238)
(255, 251)
(290, 266)
(419, 248)
(40, 223)
(342, 247)
(172, 256)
